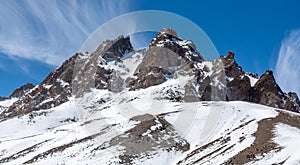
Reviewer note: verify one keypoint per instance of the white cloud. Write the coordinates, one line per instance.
(51, 31)
(287, 69)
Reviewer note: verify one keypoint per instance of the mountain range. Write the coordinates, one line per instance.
(165, 104)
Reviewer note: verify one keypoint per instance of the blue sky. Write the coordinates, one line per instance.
(37, 36)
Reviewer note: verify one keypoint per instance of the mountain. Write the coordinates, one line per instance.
(57, 87)
(164, 104)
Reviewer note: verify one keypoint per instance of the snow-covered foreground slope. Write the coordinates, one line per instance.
(141, 127)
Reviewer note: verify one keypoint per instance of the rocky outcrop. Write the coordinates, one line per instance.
(147, 77)
(115, 49)
(150, 133)
(76, 75)
(224, 81)
(292, 102)
(53, 91)
(167, 38)
(167, 53)
(19, 92)
(3, 98)
(267, 92)
(238, 84)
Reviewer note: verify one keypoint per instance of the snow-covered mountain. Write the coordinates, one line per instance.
(162, 105)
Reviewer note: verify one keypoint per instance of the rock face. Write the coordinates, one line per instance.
(19, 92)
(143, 138)
(184, 49)
(53, 91)
(147, 77)
(167, 53)
(115, 49)
(225, 80)
(58, 85)
(3, 98)
(221, 80)
(292, 102)
(238, 84)
(267, 92)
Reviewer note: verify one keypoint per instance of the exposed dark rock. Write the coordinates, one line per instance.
(232, 69)
(167, 38)
(115, 49)
(292, 102)
(239, 89)
(160, 57)
(19, 92)
(22, 90)
(3, 98)
(167, 53)
(238, 85)
(147, 77)
(144, 138)
(267, 92)
(102, 77)
(227, 81)
(53, 91)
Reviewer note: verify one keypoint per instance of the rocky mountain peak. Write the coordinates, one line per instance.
(3, 98)
(57, 87)
(115, 49)
(268, 75)
(167, 53)
(267, 92)
(267, 83)
(167, 38)
(229, 55)
(232, 69)
(167, 31)
(19, 92)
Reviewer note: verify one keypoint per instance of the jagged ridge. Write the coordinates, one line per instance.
(168, 57)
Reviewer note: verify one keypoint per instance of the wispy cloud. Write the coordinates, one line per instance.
(287, 69)
(51, 31)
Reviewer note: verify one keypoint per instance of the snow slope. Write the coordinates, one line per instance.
(79, 131)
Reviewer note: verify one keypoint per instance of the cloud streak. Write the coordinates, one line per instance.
(51, 31)
(287, 69)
